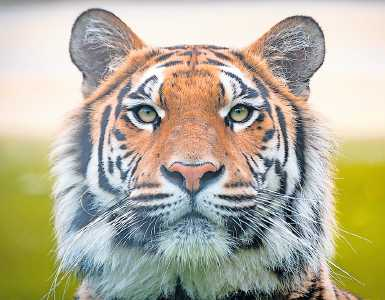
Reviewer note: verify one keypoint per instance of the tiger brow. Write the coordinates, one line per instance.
(246, 91)
(141, 91)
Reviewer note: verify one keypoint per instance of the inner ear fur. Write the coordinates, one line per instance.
(294, 49)
(99, 42)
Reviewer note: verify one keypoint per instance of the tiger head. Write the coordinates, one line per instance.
(193, 162)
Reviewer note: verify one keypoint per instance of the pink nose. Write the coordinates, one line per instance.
(192, 174)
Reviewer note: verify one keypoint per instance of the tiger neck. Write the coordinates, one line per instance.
(314, 286)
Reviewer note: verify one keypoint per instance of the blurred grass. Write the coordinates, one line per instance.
(27, 241)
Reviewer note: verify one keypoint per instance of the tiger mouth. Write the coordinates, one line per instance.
(193, 224)
(192, 218)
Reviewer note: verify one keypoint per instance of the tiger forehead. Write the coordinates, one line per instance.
(199, 88)
(190, 71)
(194, 55)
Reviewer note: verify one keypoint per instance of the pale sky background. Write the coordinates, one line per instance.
(39, 84)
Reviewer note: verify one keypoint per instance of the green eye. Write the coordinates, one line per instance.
(240, 113)
(146, 114)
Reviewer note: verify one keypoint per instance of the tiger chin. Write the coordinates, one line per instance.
(195, 171)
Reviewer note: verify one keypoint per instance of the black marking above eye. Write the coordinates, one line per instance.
(123, 92)
(261, 87)
(140, 92)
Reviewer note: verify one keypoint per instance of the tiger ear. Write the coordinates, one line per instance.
(294, 49)
(99, 42)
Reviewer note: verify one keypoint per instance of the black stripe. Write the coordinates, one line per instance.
(261, 117)
(215, 47)
(164, 56)
(256, 175)
(238, 197)
(236, 225)
(120, 136)
(186, 53)
(123, 92)
(265, 95)
(215, 62)
(221, 90)
(283, 177)
(300, 143)
(310, 292)
(267, 162)
(261, 87)
(140, 93)
(283, 183)
(103, 181)
(250, 93)
(124, 174)
(282, 124)
(278, 140)
(128, 153)
(133, 170)
(300, 155)
(177, 47)
(110, 165)
(243, 61)
(148, 197)
(127, 74)
(161, 96)
(83, 139)
(268, 135)
(245, 90)
(242, 209)
(147, 185)
(85, 213)
(171, 63)
(237, 184)
(221, 55)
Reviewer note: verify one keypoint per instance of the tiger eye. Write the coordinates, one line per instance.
(239, 113)
(147, 114)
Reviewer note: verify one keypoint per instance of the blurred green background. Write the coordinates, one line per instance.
(27, 240)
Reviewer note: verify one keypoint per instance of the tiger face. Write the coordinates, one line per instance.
(193, 158)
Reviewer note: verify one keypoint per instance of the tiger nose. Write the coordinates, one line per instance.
(191, 176)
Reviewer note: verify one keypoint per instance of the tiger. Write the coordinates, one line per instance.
(195, 171)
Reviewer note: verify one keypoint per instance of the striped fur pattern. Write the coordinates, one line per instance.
(261, 225)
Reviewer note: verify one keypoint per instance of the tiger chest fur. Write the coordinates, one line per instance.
(195, 172)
